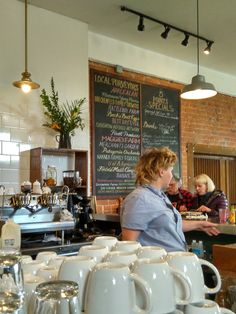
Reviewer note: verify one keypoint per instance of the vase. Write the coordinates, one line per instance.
(64, 140)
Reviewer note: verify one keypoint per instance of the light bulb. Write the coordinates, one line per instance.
(26, 88)
(206, 51)
(199, 94)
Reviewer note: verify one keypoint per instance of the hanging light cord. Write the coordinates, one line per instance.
(197, 38)
(26, 39)
(26, 83)
(199, 88)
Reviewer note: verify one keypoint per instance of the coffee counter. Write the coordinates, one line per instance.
(227, 235)
(227, 229)
(107, 217)
(108, 223)
(47, 226)
(66, 249)
(224, 228)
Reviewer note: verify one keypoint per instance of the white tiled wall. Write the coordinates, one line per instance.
(15, 143)
(21, 116)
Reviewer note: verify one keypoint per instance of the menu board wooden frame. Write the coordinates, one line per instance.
(128, 116)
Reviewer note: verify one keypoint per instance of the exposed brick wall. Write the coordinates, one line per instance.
(107, 206)
(211, 122)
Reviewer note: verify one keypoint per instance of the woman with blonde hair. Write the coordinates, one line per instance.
(207, 198)
(147, 214)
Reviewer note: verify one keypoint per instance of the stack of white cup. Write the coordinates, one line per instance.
(43, 268)
(124, 277)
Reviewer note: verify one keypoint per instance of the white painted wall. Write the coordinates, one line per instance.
(58, 47)
(148, 62)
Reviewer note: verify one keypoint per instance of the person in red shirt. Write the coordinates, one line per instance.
(181, 199)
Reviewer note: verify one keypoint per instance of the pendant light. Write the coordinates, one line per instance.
(199, 88)
(26, 84)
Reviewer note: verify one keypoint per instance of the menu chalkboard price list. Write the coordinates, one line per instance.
(160, 118)
(116, 134)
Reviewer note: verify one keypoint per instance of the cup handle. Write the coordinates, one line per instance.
(57, 137)
(215, 270)
(146, 290)
(186, 285)
(223, 310)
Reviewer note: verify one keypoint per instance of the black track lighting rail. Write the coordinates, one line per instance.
(209, 42)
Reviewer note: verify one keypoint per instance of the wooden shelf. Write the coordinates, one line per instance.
(63, 159)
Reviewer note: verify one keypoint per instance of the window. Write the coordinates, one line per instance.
(217, 162)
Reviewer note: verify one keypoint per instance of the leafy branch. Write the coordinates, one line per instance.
(65, 118)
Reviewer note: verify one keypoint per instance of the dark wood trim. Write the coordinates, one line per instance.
(213, 150)
(223, 175)
(139, 78)
(225, 156)
(190, 167)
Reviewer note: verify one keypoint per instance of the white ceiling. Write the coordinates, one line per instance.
(217, 22)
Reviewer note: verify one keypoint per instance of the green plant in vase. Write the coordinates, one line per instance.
(64, 118)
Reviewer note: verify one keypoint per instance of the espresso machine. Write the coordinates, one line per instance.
(78, 205)
(84, 215)
(82, 211)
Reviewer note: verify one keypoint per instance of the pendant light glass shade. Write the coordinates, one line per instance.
(199, 88)
(26, 84)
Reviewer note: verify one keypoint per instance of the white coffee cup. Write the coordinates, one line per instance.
(10, 191)
(26, 259)
(151, 252)
(98, 252)
(56, 261)
(45, 256)
(30, 284)
(32, 267)
(127, 258)
(48, 273)
(107, 241)
(111, 290)
(77, 268)
(127, 246)
(206, 307)
(190, 265)
(161, 277)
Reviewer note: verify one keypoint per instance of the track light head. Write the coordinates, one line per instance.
(168, 27)
(185, 41)
(166, 32)
(207, 50)
(141, 26)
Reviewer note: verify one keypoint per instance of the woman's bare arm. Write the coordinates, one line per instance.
(128, 234)
(208, 227)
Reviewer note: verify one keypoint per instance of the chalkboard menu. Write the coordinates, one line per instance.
(160, 119)
(128, 117)
(116, 134)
